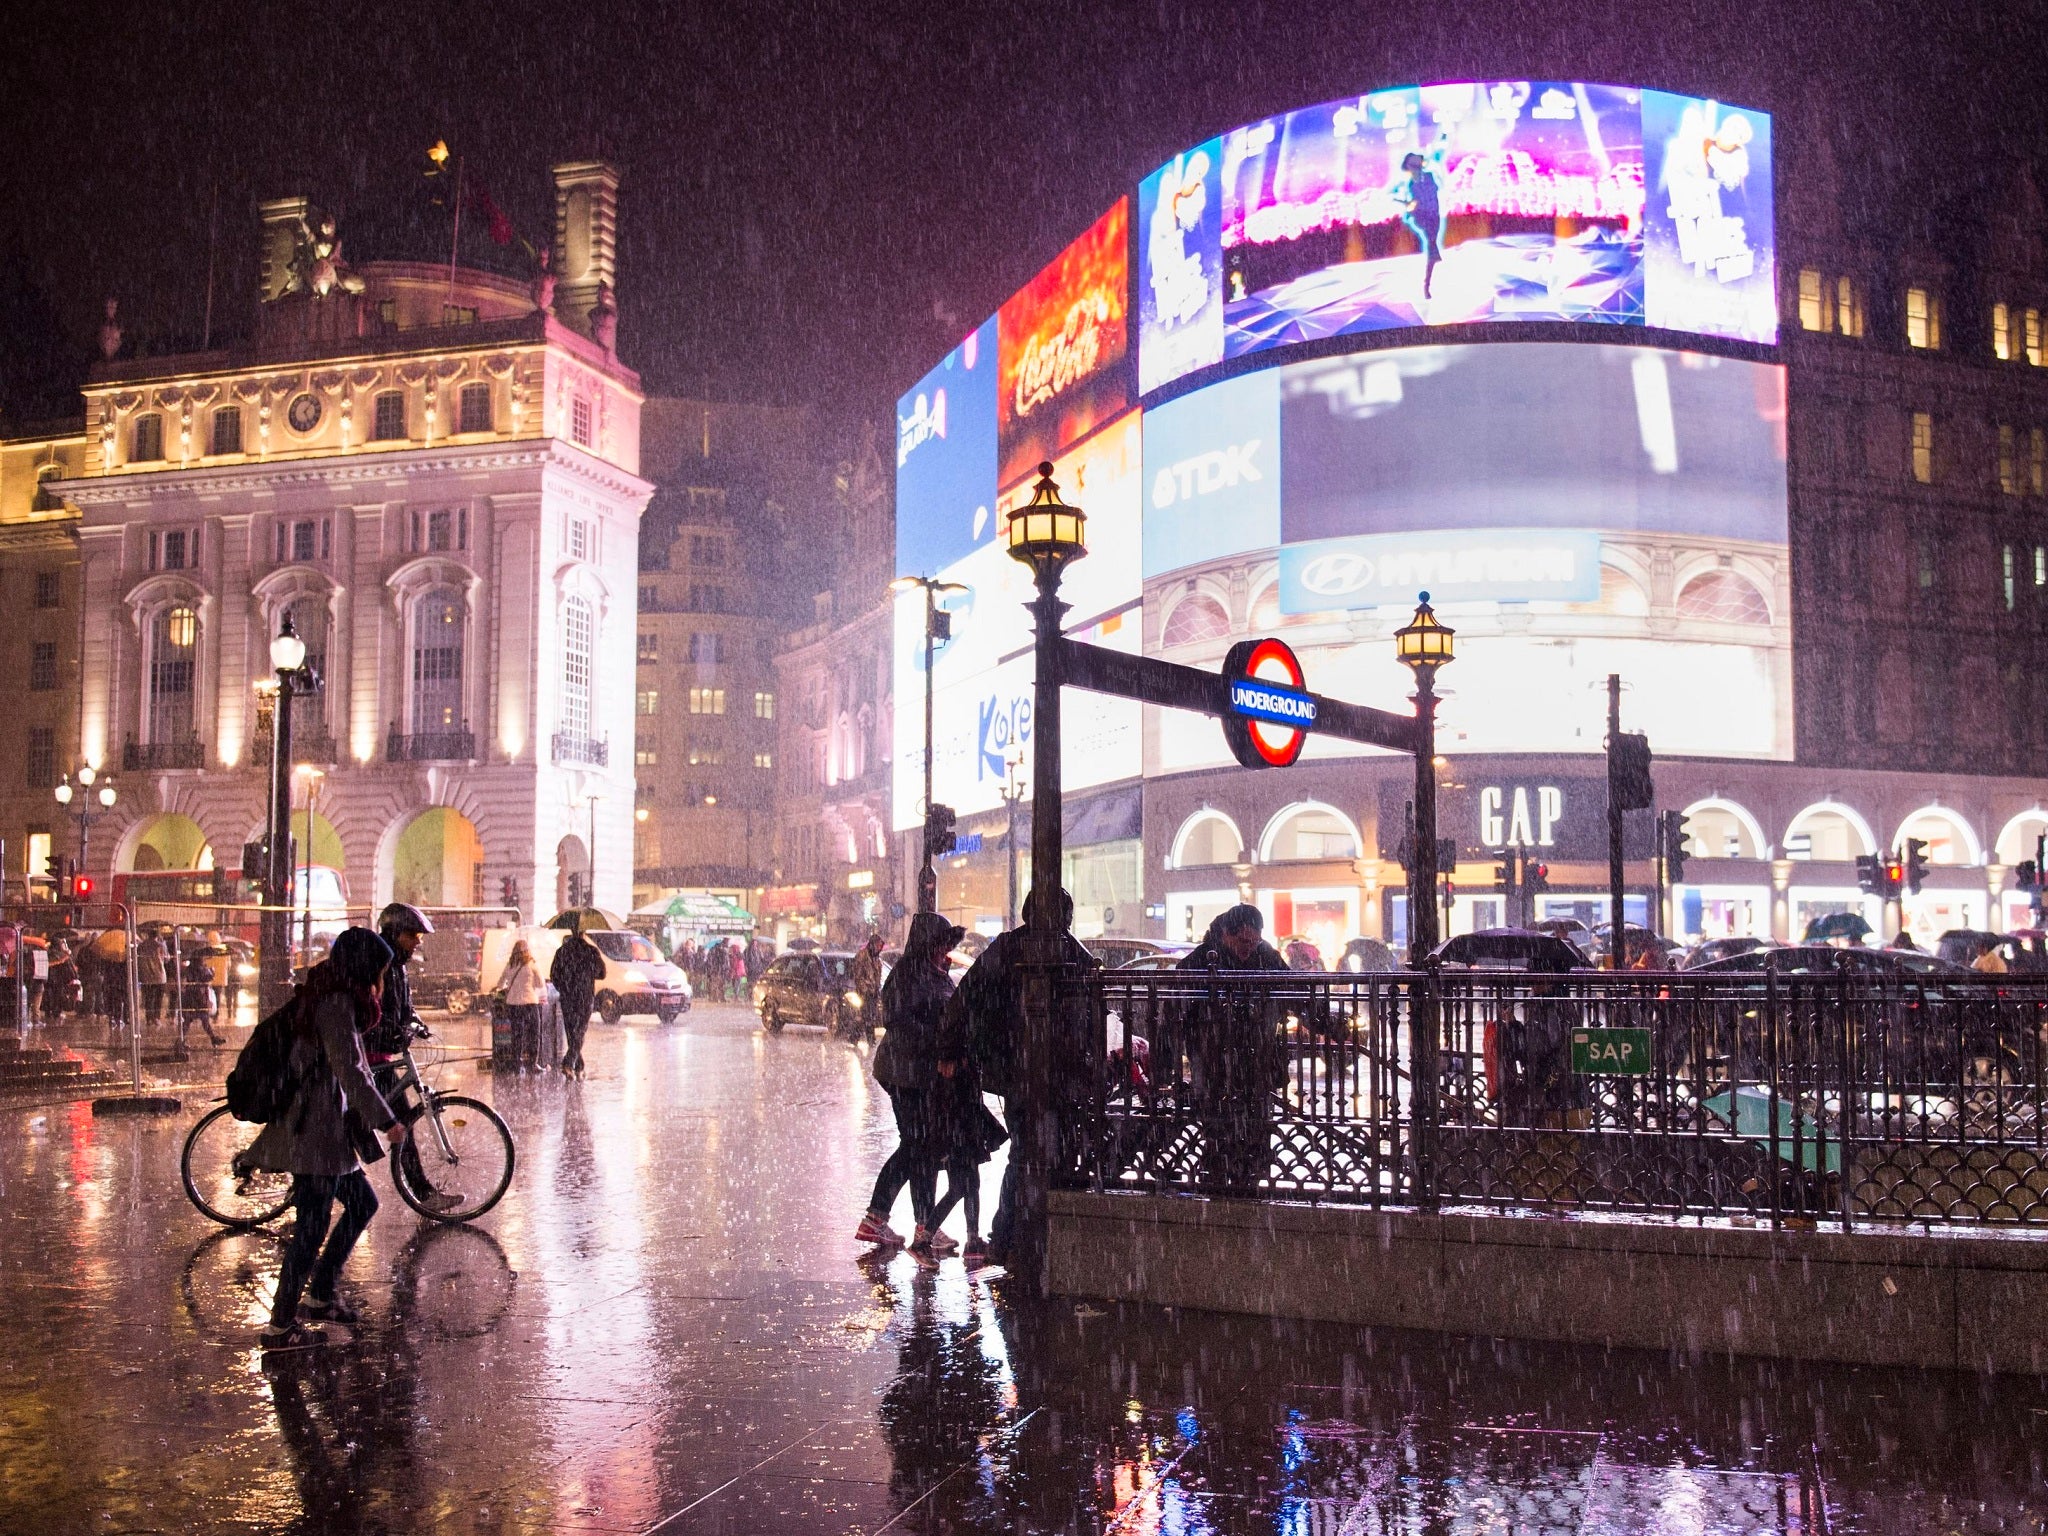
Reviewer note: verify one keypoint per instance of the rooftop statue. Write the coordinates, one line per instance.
(317, 265)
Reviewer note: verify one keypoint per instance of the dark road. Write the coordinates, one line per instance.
(666, 1326)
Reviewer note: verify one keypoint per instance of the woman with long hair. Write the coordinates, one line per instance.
(333, 1116)
(906, 1065)
(522, 983)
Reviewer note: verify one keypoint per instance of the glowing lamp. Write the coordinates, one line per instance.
(287, 651)
(107, 796)
(64, 791)
(1045, 533)
(1423, 642)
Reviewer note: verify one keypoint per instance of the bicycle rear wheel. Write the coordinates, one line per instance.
(463, 1186)
(218, 1185)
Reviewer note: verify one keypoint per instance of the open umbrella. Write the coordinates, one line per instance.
(583, 919)
(1520, 949)
(1837, 925)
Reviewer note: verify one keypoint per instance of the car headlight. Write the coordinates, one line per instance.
(852, 999)
(635, 978)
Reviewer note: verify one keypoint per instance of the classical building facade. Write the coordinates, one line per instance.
(435, 474)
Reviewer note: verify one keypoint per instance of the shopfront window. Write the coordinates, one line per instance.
(1720, 830)
(1309, 832)
(1207, 837)
(1948, 839)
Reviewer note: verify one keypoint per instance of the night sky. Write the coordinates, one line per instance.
(820, 199)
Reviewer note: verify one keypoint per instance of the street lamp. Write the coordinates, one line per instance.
(66, 793)
(938, 625)
(1423, 644)
(288, 662)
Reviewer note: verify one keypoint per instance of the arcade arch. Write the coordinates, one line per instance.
(1205, 838)
(1828, 832)
(438, 860)
(1721, 829)
(1309, 829)
(1949, 838)
(165, 841)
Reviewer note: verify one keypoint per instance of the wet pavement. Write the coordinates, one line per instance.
(666, 1326)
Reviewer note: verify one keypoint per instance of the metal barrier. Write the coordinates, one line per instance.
(1849, 1098)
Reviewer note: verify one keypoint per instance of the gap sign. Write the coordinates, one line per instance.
(1611, 1052)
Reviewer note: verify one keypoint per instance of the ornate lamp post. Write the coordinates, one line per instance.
(66, 793)
(1047, 535)
(1424, 645)
(288, 661)
(938, 625)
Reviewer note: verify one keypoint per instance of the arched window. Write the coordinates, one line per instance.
(2016, 843)
(1194, 618)
(1724, 598)
(579, 629)
(1309, 832)
(309, 620)
(1720, 829)
(173, 675)
(1207, 837)
(1265, 610)
(1948, 837)
(1828, 833)
(437, 641)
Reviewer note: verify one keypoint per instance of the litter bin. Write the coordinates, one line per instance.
(504, 1048)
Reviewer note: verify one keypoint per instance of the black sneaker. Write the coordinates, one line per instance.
(333, 1310)
(291, 1336)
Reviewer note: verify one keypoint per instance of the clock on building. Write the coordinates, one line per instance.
(303, 413)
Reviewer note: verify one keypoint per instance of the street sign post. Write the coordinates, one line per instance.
(1610, 1052)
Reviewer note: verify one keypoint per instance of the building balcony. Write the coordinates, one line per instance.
(310, 744)
(582, 749)
(445, 746)
(151, 756)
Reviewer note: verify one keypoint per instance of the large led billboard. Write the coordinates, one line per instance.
(946, 457)
(1453, 204)
(1573, 509)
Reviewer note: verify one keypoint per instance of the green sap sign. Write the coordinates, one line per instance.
(1611, 1052)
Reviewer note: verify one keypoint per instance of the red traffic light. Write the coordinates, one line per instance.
(81, 888)
(1895, 872)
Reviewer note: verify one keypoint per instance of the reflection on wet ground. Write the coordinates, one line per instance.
(665, 1327)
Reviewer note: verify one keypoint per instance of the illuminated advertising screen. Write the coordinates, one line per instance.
(1573, 510)
(1064, 344)
(1212, 472)
(946, 458)
(1455, 204)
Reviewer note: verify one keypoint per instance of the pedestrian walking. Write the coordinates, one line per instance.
(60, 992)
(964, 1136)
(1989, 961)
(906, 1065)
(196, 998)
(150, 975)
(1234, 1054)
(756, 962)
(866, 976)
(575, 972)
(334, 1115)
(522, 982)
(988, 1011)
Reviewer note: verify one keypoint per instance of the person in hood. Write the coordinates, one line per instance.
(906, 1065)
(1235, 1053)
(333, 1115)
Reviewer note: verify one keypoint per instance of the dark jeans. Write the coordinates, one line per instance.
(575, 1025)
(525, 1021)
(1002, 1227)
(308, 1267)
(911, 1162)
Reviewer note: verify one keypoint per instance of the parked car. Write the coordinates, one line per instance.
(813, 987)
(1709, 950)
(1826, 960)
(1166, 957)
(636, 979)
(1115, 953)
(2022, 952)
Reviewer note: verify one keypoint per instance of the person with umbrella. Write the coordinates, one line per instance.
(575, 972)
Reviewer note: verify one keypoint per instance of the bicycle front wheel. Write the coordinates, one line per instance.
(215, 1180)
(466, 1179)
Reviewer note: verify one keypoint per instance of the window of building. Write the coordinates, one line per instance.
(2040, 567)
(650, 599)
(476, 408)
(173, 664)
(437, 647)
(1923, 447)
(579, 628)
(1848, 307)
(1815, 313)
(387, 312)
(707, 701)
(227, 429)
(579, 421)
(2037, 461)
(2008, 461)
(42, 666)
(707, 549)
(388, 423)
(707, 598)
(579, 538)
(2016, 334)
(1923, 319)
(309, 622)
(1923, 551)
(49, 589)
(764, 759)
(2030, 336)
(649, 648)
(42, 762)
(764, 706)
(647, 701)
(707, 647)
(1193, 619)
(646, 757)
(174, 549)
(146, 443)
(304, 540)
(458, 314)
(707, 755)
(2010, 576)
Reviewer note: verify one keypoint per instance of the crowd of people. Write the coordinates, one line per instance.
(723, 970)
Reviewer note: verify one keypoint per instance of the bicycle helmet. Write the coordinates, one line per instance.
(403, 917)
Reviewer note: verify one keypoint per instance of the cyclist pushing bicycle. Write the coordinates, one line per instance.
(401, 925)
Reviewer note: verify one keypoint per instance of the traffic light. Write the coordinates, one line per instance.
(1504, 873)
(508, 890)
(53, 865)
(1894, 875)
(938, 831)
(82, 888)
(1535, 879)
(1628, 771)
(941, 624)
(2026, 875)
(1916, 863)
(1676, 836)
(256, 860)
(1870, 876)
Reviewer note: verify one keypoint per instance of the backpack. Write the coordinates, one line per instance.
(262, 1085)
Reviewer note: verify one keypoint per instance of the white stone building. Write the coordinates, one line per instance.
(436, 474)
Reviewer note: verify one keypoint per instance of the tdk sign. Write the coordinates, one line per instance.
(1207, 473)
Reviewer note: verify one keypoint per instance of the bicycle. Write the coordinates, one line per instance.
(469, 1155)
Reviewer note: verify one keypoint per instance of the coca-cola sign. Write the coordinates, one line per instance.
(1064, 340)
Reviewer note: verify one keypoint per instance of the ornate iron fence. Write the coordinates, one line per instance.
(1848, 1098)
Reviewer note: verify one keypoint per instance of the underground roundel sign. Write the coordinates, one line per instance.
(1267, 708)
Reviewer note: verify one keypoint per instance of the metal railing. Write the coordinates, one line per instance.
(581, 749)
(451, 746)
(1849, 1098)
(150, 756)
